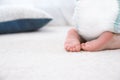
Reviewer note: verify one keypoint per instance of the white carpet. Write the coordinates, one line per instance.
(41, 56)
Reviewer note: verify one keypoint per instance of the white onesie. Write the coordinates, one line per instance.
(93, 17)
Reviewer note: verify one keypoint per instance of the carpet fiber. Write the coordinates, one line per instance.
(40, 56)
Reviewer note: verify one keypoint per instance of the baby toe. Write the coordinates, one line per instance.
(84, 46)
(67, 48)
(87, 47)
(74, 49)
(78, 48)
(71, 49)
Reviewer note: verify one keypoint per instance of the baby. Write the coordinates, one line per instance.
(97, 26)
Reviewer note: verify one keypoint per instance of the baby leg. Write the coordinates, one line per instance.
(106, 40)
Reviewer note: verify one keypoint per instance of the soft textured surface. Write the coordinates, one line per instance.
(21, 18)
(41, 56)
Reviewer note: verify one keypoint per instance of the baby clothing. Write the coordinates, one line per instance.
(93, 17)
(117, 22)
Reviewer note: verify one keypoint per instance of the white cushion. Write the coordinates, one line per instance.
(21, 18)
(61, 10)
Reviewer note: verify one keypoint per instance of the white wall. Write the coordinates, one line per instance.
(61, 10)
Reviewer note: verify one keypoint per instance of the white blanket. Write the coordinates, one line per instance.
(41, 56)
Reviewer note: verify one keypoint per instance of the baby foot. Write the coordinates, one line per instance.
(72, 42)
(99, 43)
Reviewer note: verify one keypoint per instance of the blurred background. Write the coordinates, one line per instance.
(60, 10)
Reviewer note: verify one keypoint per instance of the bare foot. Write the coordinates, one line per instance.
(72, 42)
(101, 43)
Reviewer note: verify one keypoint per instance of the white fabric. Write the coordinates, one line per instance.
(8, 13)
(41, 56)
(61, 10)
(93, 17)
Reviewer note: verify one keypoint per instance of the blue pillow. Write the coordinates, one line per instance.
(15, 19)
